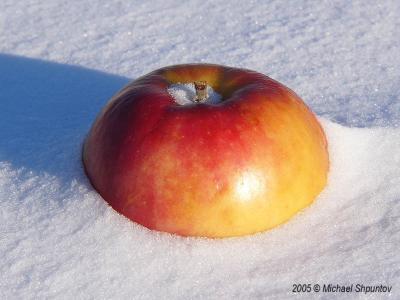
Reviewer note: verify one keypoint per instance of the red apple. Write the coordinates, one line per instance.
(238, 167)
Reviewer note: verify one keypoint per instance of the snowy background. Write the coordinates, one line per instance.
(60, 61)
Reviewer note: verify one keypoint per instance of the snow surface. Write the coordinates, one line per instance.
(60, 62)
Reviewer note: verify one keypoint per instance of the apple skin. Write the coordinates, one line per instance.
(242, 166)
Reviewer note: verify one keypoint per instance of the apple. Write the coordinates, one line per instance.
(241, 166)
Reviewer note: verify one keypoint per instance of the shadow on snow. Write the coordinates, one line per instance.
(46, 110)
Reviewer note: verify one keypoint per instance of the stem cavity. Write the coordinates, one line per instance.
(201, 91)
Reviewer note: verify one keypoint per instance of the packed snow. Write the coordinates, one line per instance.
(61, 61)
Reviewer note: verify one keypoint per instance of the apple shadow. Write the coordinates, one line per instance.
(46, 110)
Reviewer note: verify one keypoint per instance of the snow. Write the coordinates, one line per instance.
(185, 93)
(61, 61)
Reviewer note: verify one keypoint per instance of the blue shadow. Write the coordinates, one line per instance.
(46, 110)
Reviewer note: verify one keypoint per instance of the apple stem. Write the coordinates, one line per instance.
(201, 91)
